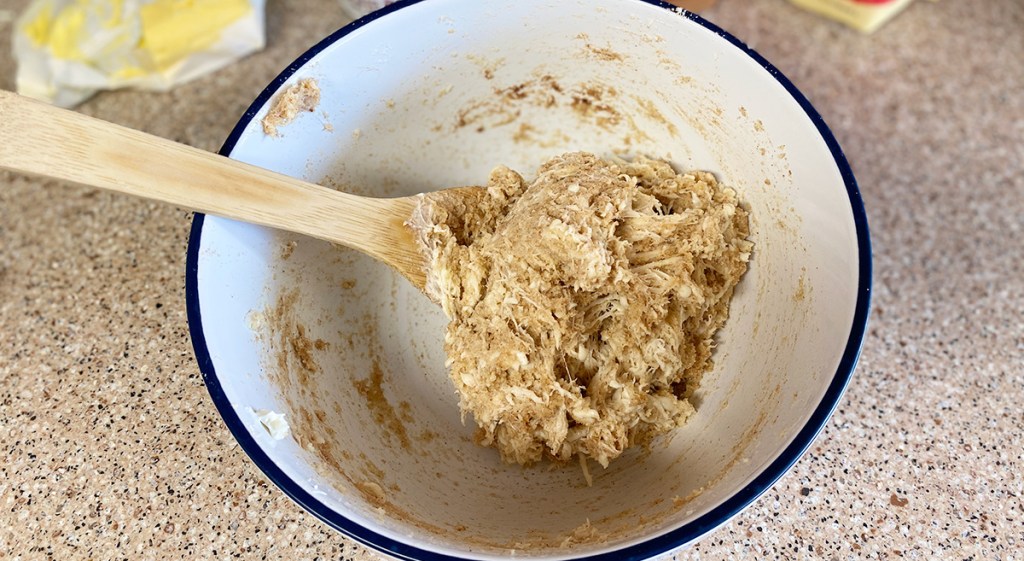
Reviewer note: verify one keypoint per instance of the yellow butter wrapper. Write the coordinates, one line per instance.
(863, 15)
(174, 29)
(67, 50)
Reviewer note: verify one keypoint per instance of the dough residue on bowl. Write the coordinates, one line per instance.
(583, 305)
(302, 96)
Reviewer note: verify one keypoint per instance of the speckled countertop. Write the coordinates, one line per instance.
(110, 447)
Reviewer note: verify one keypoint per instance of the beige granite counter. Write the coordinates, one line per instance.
(110, 447)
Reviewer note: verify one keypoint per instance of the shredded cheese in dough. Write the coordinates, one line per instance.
(583, 305)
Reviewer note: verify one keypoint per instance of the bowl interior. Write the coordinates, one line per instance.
(434, 95)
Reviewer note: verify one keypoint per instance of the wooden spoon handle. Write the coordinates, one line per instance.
(40, 139)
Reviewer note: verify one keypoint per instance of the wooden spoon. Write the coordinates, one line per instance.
(39, 139)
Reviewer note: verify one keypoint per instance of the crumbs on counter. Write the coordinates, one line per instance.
(303, 96)
(895, 500)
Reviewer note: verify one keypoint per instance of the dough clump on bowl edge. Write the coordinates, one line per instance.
(582, 305)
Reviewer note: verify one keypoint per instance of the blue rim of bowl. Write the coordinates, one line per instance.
(666, 542)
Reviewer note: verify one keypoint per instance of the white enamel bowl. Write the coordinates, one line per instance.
(432, 94)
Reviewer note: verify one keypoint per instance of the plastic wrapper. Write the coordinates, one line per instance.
(863, 15)
(67, 50)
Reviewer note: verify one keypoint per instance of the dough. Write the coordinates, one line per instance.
(583, 305)
(300, 97)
